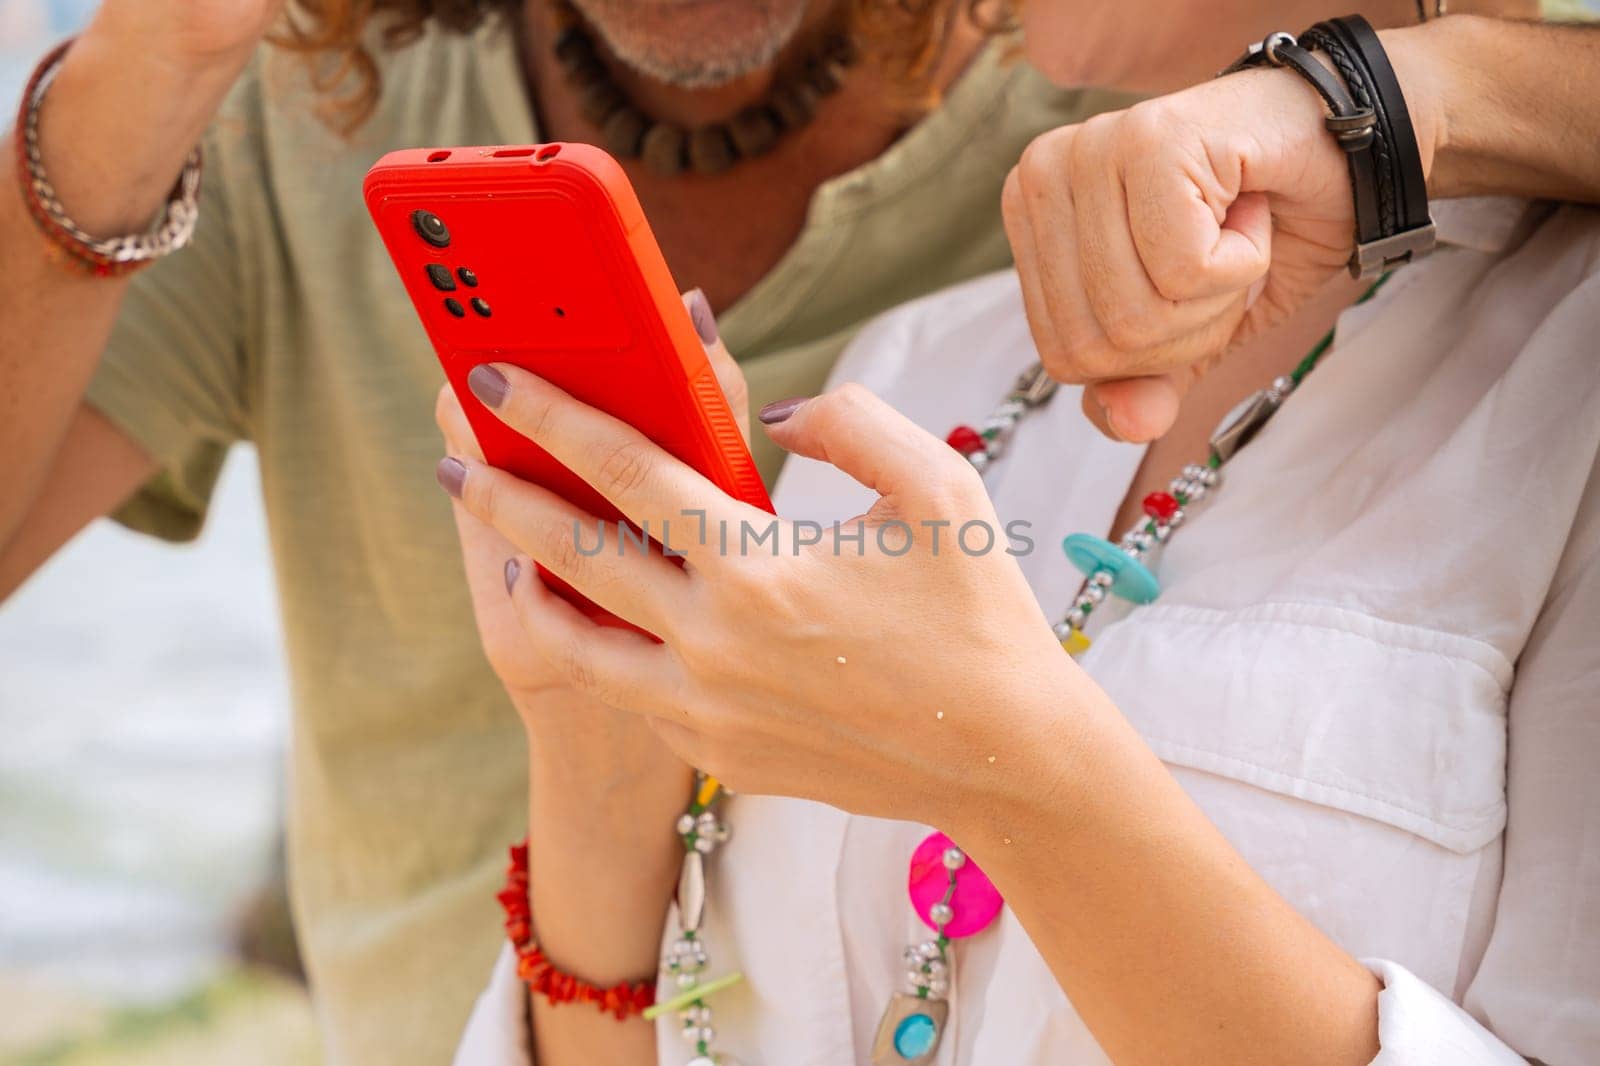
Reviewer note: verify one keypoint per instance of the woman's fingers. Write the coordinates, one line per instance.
(723, 364)
(854, 430)
(629, 581)
(452, 421)
(640, 479)
(618, 667)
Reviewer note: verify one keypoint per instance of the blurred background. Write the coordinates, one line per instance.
(143, 722)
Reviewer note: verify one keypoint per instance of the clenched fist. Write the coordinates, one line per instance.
(1149, 241)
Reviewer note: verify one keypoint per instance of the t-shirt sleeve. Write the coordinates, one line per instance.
(173, 373)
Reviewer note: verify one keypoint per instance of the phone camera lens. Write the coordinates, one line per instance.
(431, 228)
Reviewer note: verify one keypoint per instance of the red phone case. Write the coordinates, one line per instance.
(552, 240)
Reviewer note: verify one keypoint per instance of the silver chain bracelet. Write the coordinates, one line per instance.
(170, 231)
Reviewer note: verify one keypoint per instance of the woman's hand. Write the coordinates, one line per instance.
(881, 666)
(1151, 240)
(517, 655)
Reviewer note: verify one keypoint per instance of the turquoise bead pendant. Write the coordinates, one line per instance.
(1131, 579)
(910, 1030)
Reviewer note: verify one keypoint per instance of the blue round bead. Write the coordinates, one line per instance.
(915, 1036)
(1133, 581)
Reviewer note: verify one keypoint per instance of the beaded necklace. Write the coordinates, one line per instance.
(950, 894)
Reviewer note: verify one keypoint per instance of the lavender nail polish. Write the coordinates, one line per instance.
(488, 385)
(452, 475)
(780, 410)
(705, 323)
(513, 571)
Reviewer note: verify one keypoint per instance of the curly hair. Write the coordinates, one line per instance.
(904, 37)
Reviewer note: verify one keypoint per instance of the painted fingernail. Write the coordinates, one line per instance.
(488, 385)
(705, 323)
(513, 571)
(780, 410)
(452, 475)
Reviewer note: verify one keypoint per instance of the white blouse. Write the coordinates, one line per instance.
(1374, 664)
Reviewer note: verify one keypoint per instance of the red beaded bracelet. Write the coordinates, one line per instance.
(539, 973)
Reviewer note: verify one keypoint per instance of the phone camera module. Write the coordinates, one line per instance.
(431, 228)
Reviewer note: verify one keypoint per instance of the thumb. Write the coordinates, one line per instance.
(854, 430)
(1136, 409)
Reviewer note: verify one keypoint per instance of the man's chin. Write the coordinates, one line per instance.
(695, 44)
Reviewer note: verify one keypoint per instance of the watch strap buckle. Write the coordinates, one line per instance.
(1372, 258)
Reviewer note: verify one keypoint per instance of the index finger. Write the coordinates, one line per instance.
(640, 478)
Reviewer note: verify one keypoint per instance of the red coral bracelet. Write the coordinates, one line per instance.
(539, 973)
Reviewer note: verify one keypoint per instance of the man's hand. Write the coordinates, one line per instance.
(194, 35)
(1151, 240)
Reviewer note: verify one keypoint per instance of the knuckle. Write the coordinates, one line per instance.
(1011, 196)
(571, 660)
(1127, 329)
(442, 409)
(1045, 159)
(482, 493)
(622, 470)
(561, 551)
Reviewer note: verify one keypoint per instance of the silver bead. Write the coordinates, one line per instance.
(937, 968)
(690, 1033)
(979, 461)
(939, 988)
(1163, 531)
(1103, 578)
(930, 949)
(1175, 521)
(1282, 387)
(1093, 594)
(1138, 539)
(685, 824)
(941, 914)
(687, 981)
(1076, 618)
(1011, 410)
(707, 1034)
(705, 845)
(1062, 630)
(998, 424)
(954, 858)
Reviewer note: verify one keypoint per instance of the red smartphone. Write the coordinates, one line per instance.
(540, 256)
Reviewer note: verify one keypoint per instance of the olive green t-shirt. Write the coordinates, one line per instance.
(286, 325)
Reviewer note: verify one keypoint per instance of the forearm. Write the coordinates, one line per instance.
(603, 861)
(1170, 947)
(1513, 105)
(114, 133)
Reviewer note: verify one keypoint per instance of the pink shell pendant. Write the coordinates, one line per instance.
(975, 902)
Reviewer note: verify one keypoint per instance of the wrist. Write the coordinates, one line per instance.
(1425, 83)
(116, 127)
(1031, 765)
(604, 857)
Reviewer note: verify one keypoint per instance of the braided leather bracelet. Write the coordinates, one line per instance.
(1370, 120)
(102, 257)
